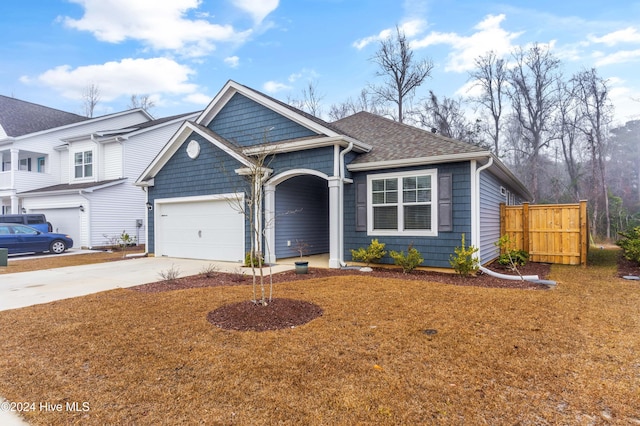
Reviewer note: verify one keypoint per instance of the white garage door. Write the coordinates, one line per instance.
(64, 221)
(210, 229)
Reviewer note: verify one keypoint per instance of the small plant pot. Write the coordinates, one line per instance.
(302, 267)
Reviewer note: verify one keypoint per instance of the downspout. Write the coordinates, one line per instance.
(343, 153)
(475, 228)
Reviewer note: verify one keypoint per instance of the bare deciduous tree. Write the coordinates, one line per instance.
(311, 101)
(592, 96)
(364, 102)
(568, 121)
(90, 98)
(490, 74)
(403, 75)
(447, 117)
(533, 94)
(141, 101)
(251, 206)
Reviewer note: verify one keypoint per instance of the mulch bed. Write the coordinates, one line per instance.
(479, 280)
(627, 267)
(276, 315)
(287, 313)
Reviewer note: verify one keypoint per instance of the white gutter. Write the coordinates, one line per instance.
(418, 161)
(341, 205)
(475, 204)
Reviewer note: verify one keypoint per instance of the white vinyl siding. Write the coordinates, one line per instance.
(112, 161)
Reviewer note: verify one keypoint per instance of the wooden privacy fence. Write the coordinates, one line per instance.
(551, 233)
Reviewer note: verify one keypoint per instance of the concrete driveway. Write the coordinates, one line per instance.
(31, 288)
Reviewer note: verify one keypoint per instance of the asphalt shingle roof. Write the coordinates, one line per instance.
(71, 186)
(148, 124)
(18, 118)
(397, 141)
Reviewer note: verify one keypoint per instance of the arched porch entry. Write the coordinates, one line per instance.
(298, 206)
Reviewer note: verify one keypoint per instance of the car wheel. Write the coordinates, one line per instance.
(57, 247)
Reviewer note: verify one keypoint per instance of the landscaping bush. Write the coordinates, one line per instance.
(407, 262)
(513, 257)
(258, 259)
(463, 261)
(373, 253)
(630, 244)
(510, 256)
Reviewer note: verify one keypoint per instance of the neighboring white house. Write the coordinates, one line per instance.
(33, 159)
(94, 199)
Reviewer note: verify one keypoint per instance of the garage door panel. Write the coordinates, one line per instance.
(64, 221)
(200, 230)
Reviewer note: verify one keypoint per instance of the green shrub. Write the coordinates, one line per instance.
(513, 257)
(258, 259)
(630, 244)
(409, 262)
(373, 253)
(463, 261)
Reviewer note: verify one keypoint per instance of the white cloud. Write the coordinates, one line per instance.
(257, 9)
(232, 61)
(160, 25)
(469, 89)
(620, 57)
(627, 35)
(198, 99)
(123, 78)
(465, 49)
(410, 28)
(625, 99)
(306, 74)
(364, 42)
(274, 87)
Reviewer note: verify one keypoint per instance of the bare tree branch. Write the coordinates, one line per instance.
(403, 75)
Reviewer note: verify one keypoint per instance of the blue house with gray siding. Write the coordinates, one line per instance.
(249, 158)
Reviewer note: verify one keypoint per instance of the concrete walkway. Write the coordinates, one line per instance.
(23, 289)
(31, 288)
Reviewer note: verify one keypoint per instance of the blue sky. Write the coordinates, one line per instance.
(181, 52)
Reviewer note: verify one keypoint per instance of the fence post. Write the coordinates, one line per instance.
(584, 238)
(525, 227)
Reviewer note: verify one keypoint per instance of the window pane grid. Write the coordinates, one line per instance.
(83, 164)
(411, 212)
(385, 191)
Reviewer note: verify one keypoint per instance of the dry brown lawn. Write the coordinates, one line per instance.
(570, 355)
(26, 263)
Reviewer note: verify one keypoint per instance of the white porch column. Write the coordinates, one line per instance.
(15, 163)
(269, 223)
(14, 204)
(335, 223)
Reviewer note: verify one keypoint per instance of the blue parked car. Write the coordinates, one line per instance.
(34, 220)
(25, 239)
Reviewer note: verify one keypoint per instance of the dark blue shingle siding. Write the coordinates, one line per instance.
(211, 173)
(435, 250)
(246, 123)
(320, 159)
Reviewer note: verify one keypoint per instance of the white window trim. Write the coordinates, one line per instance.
(401, 233)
